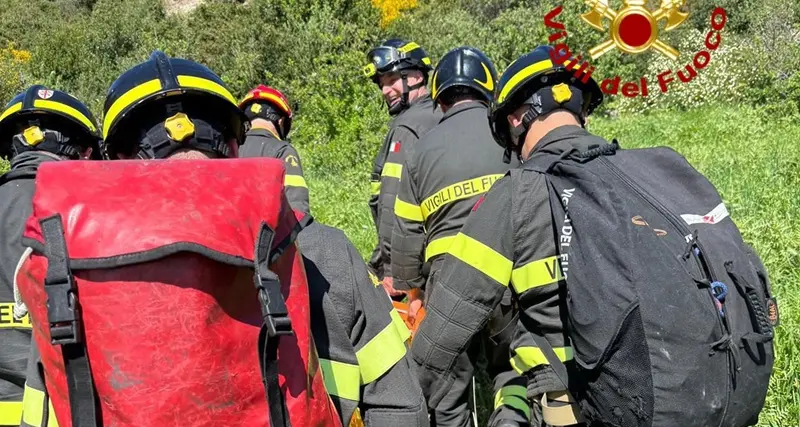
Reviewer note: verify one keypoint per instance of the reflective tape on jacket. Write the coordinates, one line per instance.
(7, 319)
(527, 358)
(407, 210)
(394, 170)
(341, 379)
(294, 181)
(482, 258)
(515, 396)
(33, 402)
(374, 359)
(382, 352)
(542, 272)
(458, 191)
(438, 247)
(10, 413)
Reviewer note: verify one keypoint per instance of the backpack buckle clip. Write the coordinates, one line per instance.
(62, 312)
(273, 306)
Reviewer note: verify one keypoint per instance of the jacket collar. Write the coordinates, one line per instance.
(462, 107)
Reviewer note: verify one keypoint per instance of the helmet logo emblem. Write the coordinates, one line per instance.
(489, 83)
(44, 93)
(634, 28)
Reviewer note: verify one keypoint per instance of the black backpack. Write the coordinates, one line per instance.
(670, 314)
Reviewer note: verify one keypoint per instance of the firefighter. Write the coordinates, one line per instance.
(360, 337)
(38, 125)
(400, 70)
(271, 120)
(509, 239)
(443, 176)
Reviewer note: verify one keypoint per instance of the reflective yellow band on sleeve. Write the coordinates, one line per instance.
(482, 258)
(341, 379)
(374, 188)
(527, 358)
(407, 211)
(294, 181)
(381, 353)
(394, 170)
(33, 408)
(398, 322)
(10, 413)
(458, 191)
(542, 272)
(8, 321)
(65, 109)
(438, 247)
(514, 396)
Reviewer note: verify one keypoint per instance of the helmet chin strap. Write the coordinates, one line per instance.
(404, 103)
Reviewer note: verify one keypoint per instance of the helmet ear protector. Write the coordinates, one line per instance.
(34, 138)
(559, 92)
(184, 128)
(266, 111)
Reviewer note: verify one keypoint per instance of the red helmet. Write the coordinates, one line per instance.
(273, 97)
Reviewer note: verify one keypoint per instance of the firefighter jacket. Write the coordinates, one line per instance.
(508, 241)
(404, 131)
(264, 143)
(359, 336)
(16, 192)
(443, 176)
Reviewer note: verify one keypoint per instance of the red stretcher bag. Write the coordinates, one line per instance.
(170, 292)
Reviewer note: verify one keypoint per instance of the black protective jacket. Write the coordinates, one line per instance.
(404, 131)
(16, 193)
(508, 242)
(263, 143)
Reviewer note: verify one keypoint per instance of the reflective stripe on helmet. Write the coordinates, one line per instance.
(151, 87)
(65, 109)
(127, 99)
(11, 110)
(524, 73)
(200, 83)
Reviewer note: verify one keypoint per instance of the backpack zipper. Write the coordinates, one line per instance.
(660, 208)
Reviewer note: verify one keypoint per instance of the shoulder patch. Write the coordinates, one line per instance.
(292, 160)
(394, 147)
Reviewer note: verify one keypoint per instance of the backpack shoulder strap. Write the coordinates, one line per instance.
(543, 162)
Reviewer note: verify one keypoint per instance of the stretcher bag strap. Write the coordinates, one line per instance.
(276, 320)
(63, 315)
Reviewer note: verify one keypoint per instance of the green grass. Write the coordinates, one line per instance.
(754, 164)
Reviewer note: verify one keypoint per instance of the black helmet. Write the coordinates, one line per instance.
(533, 79)
(165, 104)
(464, 68)
(398, 56)
(50, 120)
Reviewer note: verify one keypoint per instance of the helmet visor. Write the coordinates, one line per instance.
(381, 59)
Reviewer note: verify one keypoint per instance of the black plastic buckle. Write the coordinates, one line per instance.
(62, 313)
(273, 307)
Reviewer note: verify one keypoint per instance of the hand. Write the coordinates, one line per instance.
(389, 288)
(413, 308)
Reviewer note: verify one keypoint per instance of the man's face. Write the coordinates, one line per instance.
(391, 85)
(391, 88)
